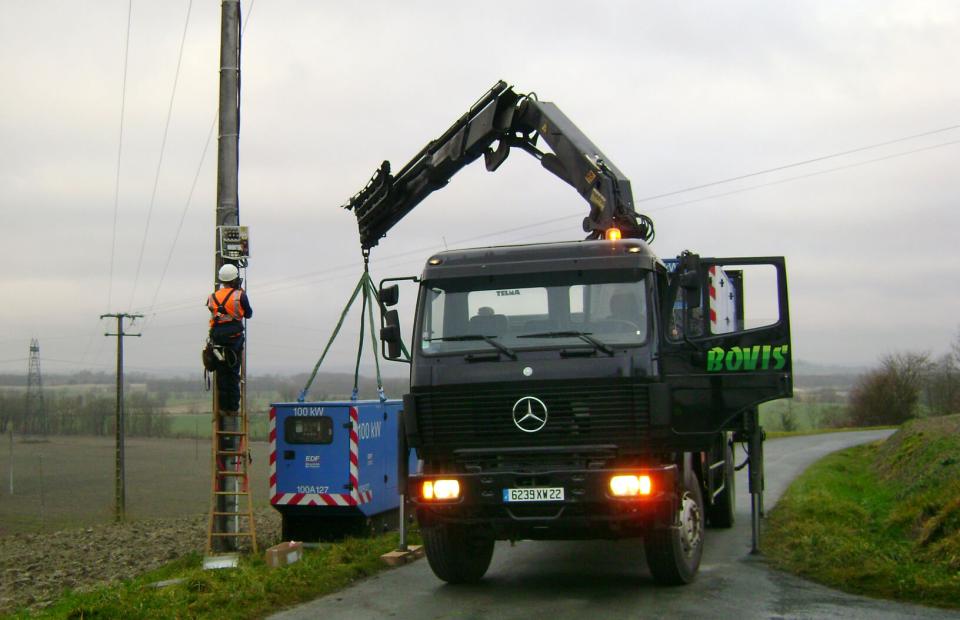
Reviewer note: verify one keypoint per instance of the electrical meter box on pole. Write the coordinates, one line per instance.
(234, 242)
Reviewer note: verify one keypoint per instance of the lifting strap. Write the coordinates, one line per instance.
(369, 291)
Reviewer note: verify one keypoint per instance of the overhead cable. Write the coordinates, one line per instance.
(807, 176)
(193, 187)
(302, 279)
(116, 189)
(798, 163)
(163, 149)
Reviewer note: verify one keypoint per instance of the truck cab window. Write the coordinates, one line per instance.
(534, 311)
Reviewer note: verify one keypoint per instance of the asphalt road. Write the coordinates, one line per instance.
(598, 579)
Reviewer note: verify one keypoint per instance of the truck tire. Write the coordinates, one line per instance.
(721, 513)
(673, 553)
(456, 554)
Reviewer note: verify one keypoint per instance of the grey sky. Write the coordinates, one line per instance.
(675, 94)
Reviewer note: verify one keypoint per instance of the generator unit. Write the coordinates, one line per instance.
(333, 467)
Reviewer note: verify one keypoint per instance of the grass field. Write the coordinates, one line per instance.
(69, 481)
(881, 520)
(802, 415)
(201, 425)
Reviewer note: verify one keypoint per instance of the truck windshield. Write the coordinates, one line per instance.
(592, 309)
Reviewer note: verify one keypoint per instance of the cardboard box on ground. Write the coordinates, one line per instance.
(283, 554)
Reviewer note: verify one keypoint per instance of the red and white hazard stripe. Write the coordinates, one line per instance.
(358, 497)
(713, 300)
(353, 498)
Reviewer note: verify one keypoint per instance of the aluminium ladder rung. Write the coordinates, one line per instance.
(231, 473)
(233, 514)
(231, 492)
(231, 534)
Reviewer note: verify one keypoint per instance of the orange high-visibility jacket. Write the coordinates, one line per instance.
(224, 305)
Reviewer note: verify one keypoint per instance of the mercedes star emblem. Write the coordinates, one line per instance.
(529, 414)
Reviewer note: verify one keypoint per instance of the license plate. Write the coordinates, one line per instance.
(534, 494)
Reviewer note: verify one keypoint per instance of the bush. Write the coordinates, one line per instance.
(942, 393)
(890, 394)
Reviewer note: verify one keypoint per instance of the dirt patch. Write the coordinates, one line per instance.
(57, 504)
(35, 569)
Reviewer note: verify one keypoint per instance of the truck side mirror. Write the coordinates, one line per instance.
(389, 295)
(689, 268)
(690, 283)
(390, 334)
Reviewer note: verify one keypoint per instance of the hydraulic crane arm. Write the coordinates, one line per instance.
(508, 119)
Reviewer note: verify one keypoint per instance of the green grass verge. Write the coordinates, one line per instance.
(881, 520)
(252, 590)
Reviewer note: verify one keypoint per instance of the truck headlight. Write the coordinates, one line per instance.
(631, 485)
(440, 490)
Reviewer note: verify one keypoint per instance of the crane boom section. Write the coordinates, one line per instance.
(511, 120)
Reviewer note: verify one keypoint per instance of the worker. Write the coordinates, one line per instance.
(228, 307)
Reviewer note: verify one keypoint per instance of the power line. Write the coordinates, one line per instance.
(799, 163)
(811, 174)
(303, 279)
(183, 215)
(116, 190)
(163, 148)
(193, 186)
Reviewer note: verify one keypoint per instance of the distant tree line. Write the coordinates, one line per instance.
(91, 413)
(91, 410)
(81, 377)
(906, 386)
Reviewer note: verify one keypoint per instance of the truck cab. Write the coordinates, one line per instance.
(581, 390)
(584, 389)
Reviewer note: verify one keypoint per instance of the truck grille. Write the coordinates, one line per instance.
(578, 413)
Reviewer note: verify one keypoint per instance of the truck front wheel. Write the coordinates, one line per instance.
(456, 554)
(673, 553)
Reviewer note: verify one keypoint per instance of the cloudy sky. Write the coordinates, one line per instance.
(678, 95)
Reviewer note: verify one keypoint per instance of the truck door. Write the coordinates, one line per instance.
(725, 345)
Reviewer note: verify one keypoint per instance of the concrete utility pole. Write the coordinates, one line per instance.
(228, 144)
(120, 492)
(228, 214)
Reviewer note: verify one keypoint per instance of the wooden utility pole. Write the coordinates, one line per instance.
(120, 492)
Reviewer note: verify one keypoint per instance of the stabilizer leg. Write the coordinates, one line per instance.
(755, 449)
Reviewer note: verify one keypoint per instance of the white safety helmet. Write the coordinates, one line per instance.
(228, 273)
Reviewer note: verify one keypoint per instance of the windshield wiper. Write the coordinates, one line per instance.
(488, 339)
(585, 336)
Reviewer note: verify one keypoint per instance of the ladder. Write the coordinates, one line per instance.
(231, 505)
